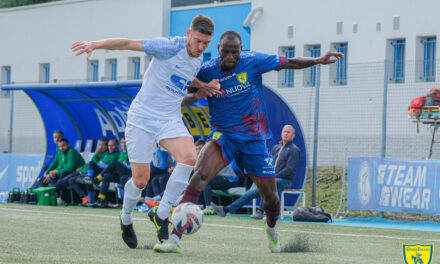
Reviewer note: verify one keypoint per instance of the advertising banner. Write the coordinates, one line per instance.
(19, 170)
(394, 185)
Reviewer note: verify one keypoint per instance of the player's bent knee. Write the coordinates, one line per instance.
(140, 182)
(189, 160)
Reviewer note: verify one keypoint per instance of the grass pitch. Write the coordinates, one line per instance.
(39, 234)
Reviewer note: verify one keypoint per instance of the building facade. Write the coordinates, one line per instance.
(389, 45)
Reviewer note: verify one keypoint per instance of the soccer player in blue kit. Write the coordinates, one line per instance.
(239, 126)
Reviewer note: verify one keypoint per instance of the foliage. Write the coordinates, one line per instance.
(14, 3)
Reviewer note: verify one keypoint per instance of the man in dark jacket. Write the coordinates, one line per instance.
(285, 156)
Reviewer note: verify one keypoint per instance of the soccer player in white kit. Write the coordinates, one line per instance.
(155, 117)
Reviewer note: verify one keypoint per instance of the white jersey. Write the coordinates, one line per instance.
(165, 82)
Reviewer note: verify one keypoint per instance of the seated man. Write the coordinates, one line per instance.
(114, 172)
(95, 166)
(66, 161)
(286, 156)
(57, 135)
(161, 166)
(227, 178)
(76, 182)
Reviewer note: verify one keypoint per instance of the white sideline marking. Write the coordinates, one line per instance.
(229, 226)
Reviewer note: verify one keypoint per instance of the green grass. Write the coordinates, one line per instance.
(39, 234)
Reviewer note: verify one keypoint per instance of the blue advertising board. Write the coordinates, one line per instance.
(394, 185)
(19, 170)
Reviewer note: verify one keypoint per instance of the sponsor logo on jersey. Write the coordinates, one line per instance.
(216, 135)
(242, 77)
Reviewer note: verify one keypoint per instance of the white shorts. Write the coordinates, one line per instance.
(142, 140)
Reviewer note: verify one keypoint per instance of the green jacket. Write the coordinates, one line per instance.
(105, 157)
(123, 158)
(68, 161)
(108, 157)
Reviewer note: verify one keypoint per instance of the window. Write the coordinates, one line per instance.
(310, 74)
(44, 72)
(425, 53)
(111, 70)
(206, 56)
(134, 68)
(5, 79)
(137, 68)
(287, 76)
(6, 75)
(93, 71)
(113, 65)
(338, 70)
(397, 61)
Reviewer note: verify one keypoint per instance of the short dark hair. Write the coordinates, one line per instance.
(123, 137)
(103, 140)
(203, 24)
(117, 142)
(63, 140)
(199, 143)
(59, 132)
(230, 34)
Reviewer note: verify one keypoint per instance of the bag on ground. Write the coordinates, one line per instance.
(311, 214)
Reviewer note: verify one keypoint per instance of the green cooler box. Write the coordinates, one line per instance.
(46, 195)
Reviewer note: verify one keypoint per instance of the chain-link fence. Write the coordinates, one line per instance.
(351, 109)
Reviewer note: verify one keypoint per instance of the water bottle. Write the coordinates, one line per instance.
(4, 195)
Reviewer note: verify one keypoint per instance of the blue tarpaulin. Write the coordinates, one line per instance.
(99, 109)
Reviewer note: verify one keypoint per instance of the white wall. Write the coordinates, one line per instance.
(44, 33)
(314, 22)
(351, 115)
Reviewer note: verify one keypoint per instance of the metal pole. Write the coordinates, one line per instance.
(11, 121)
(315, 132)
(384, 110)
(384, 114)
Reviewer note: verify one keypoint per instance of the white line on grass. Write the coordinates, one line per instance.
(229, 226)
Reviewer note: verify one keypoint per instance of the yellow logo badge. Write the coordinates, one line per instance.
(417, 253)
(242, 77)
(216, 135)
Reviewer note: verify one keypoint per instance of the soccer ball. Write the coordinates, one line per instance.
(187, 218)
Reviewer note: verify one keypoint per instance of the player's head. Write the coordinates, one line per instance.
(229, 49)
(123, 145)
(57, 135)
(199, 35)
(102, 145)
(113, 145)
(288, 133)
(63, 145)
(199, 145)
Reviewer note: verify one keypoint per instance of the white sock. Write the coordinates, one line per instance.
(131, 198)
(175, 187)
(175, 239)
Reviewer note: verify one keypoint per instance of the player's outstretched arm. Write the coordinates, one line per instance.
(204, 90)
(88, 47)
(305, 62)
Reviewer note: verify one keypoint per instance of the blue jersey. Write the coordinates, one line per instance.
(240, 110)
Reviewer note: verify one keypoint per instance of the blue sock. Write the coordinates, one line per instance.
(90, 173)
(91, 197)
